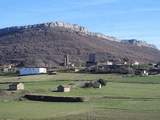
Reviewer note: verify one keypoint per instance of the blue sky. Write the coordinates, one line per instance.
(124, 19)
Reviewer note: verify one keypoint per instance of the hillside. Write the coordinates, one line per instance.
(46, 44)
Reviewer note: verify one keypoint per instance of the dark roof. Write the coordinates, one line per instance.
(64, 86)
(15, 83)
(33, 67)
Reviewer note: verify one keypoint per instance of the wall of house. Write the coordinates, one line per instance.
(32, 71)
(60, 89)
(20, 87)
(12, 87)
(42, 70)
(66, 89)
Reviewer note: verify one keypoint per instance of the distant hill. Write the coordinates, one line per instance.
(46, 44)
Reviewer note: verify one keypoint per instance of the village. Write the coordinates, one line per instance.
(94, 84)
(123, 66)
(79, 60)
(91, 67)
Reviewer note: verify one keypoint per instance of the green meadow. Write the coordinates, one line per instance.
(123, 98)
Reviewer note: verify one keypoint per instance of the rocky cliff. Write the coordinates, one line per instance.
(138, 43)
(69, 27)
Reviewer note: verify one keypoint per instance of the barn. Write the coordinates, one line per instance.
(32, 71)
(16, 86)
(63, 88)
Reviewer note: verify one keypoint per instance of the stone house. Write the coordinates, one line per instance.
(63, 88)
(16, 86)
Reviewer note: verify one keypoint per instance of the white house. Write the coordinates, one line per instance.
(109, 63)
(136, 63)
(32, 71)
(144, 73)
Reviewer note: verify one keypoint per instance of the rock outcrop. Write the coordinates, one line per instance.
(69, 27)
(138, 43)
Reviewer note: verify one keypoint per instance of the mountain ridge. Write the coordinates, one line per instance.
(72, 27)
(43, 45)
(77, 28)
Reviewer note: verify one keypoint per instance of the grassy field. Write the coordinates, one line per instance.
(124, 98)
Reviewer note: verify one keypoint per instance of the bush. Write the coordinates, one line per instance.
(102, 82)
(88, 85)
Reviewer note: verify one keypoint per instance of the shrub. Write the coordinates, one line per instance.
(88, 85)
(102, 82)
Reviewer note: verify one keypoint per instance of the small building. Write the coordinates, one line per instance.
(142, 72)
(145, 73)
(154, 71)
(16, 86)
(32, 71)
(125, 63)
(63, 88)
(52, 72)
(109, 63)
(92, 60)
(157, 65)
(76, 70)
(136, 63)
(7, 68)
(92, 57)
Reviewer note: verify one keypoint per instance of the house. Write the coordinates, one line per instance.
(16, 86)
(63, 88)
(109, 63)
(142, 72)
(157, 65)
(32, 70)
(92, 60)
(52, 72)
(136, 63)
(8, 68)
(115, 68)
(154, 71)
(76, 70)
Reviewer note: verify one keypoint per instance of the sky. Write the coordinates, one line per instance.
(124, 19)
